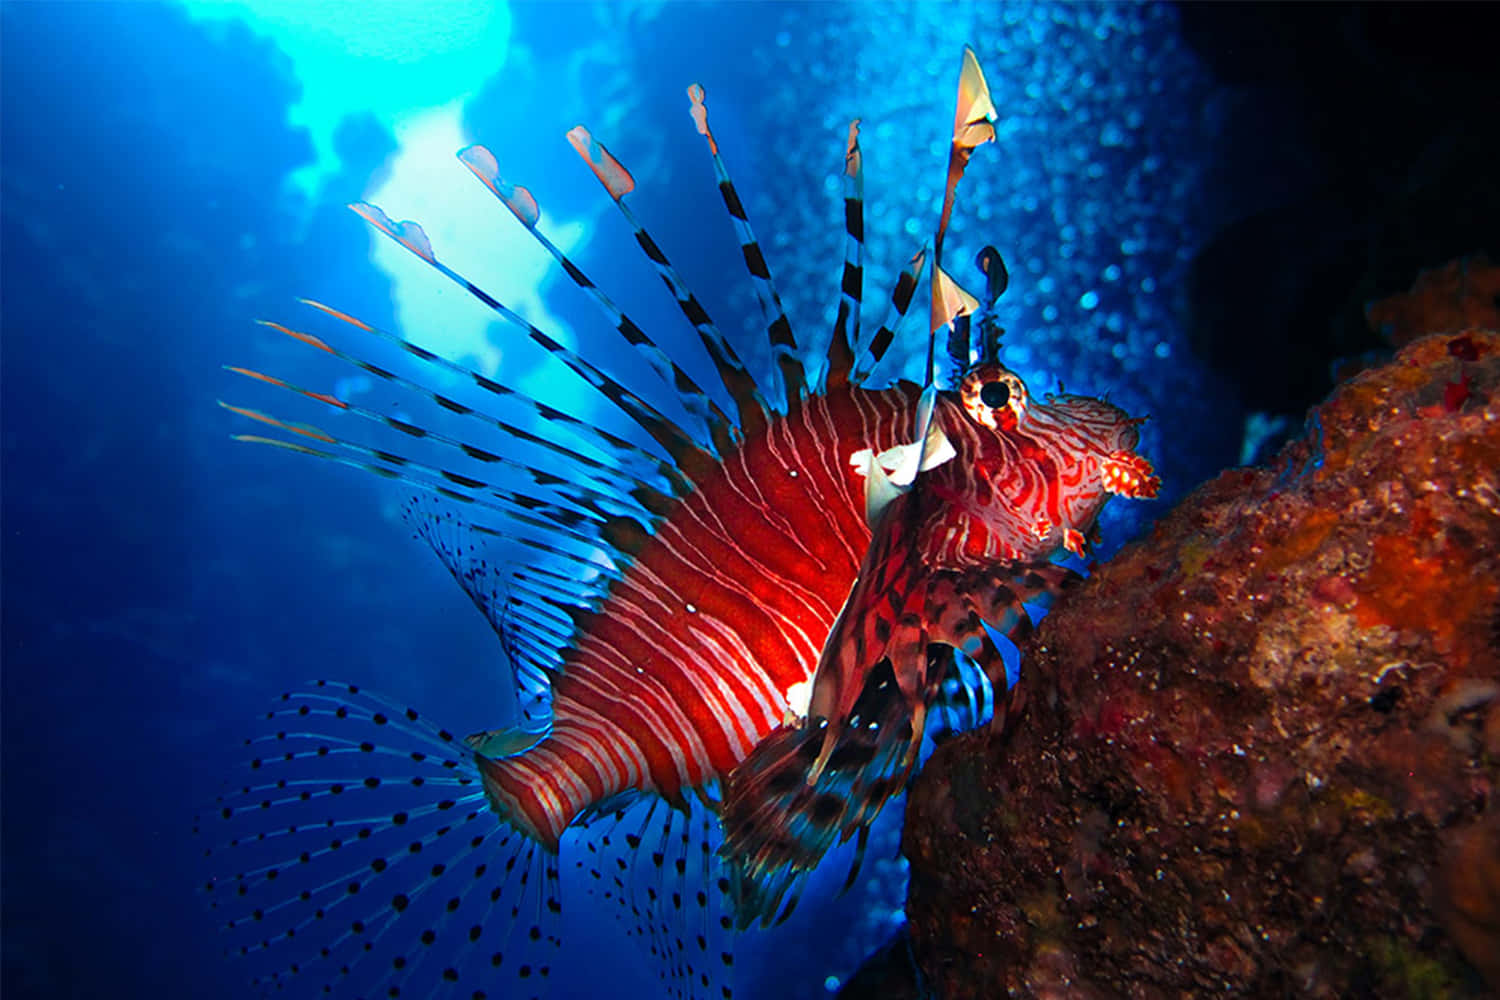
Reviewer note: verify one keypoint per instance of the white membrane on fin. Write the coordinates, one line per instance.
(499, 743)
(892, 472)
(798, 697)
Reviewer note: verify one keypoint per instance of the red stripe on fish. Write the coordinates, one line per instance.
(762, 555)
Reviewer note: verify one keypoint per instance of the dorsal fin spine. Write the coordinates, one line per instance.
(482, 163)
(973, 125)
(514, 503)
(513, 507)
(601, 501)
(736, 379)
(686, 453)
(851, 284)
(901, 296)
(778, 327)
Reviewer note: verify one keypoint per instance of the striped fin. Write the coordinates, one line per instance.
(851, 285)
(686, 453)
(625, 454)
(516, 507)
(595, 561)
(366, 860)
(819, 780)
(508, 600)
(807, 783)
(738, 381)
(602, 502)
(778, 826)
(778, 327)
(523, 206)
(554, 534)
(901, 296)
(965, 698)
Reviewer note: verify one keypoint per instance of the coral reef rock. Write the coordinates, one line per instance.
(1260, 748)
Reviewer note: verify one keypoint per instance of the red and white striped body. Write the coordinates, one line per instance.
(687, 664)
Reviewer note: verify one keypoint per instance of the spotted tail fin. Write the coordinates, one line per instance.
(357, 855)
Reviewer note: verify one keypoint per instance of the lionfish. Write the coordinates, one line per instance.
(735, 637)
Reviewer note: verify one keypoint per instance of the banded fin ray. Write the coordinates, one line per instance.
(549, 547)
(627, 459)
(522, 204)
(851, 281)
(528, 614)
(516, 508)
(778, 327)
(601, 503)
(688, 454)
(901, 296)
(737, 380)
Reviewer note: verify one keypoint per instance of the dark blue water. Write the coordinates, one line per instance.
(162, 583)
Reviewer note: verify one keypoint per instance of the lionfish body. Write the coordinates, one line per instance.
(748, 634)
(687, 663)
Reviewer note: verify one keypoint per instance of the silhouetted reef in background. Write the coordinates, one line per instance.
(1360, 141)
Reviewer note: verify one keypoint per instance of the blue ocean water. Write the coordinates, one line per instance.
(169, 176)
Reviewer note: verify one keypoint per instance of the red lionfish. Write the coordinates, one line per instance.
(745, 628)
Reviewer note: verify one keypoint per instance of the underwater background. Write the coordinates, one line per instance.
(1193, 206)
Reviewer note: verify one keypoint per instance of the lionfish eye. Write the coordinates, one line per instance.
(994, 394)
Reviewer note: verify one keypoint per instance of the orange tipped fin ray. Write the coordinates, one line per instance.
(688, 454)
(409, 234)
(523, 206)
(481, 162)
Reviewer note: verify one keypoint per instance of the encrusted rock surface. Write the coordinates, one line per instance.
(1261, 747)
